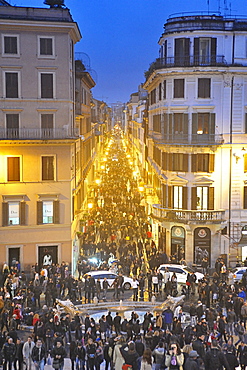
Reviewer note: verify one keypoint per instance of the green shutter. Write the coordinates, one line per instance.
(211, 198)
(193, 198)
(185, 197)
(56, 211)
(39, 212)
(22, 213)
(5, 214)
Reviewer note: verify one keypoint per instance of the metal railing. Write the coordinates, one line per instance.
(36, 134)
(187, 216)
(207, 139)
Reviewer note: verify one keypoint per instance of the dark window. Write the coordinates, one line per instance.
(157, 123)
(178, 88)
(12, 125)
(13, 164)
(46, 46)
(11, 84)
(153, 96)
(47, 85)
(47, 168)
(204, 88)
(160, 91)
(47, 125)
(164, 89)
(10, 45)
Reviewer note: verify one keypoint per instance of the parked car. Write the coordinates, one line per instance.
(180, 271)
(101, 274)
(238, 273)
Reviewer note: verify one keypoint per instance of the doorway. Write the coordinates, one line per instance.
(13, 256)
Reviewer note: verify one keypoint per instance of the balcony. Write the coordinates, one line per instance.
(184, 216)
(36, 134)
(187, 61)
(185, 139)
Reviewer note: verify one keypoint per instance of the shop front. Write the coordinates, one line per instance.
(177, 244)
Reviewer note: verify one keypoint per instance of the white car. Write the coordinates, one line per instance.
(180, 271)
(238, 273)
(110, 278)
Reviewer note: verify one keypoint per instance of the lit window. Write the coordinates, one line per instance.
(14, 213)
(47, 212)
(202, 197)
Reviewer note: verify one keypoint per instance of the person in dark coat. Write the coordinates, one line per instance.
(91, 354)
(130, 355)
(192, 362)
(59, 353)
(139, 346)
(232, 359)
(9, 352)
(38, 355)
(242, 354)
(198, 346)
(19, 355)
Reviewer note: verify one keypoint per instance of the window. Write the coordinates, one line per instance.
(202, 198)
(179, 162)
(202, 162)
(203, 126)
(205, 50)
(178, 92)
(160, 91)
(245, 162)
(182, 52)
(13, 213)
(176, 127)
(157, 123)
(47, 125)
(46, 85)
(11, 85)
(177, 197)
(46, 46)
(153, 96)
(12, 126)
(10, 44)
(204, 87)
(13, 168)
(47, 212)
(48, 168)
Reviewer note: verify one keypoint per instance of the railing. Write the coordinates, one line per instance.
(195, 139)
(36, 134)
(187, 61)
(187, 216)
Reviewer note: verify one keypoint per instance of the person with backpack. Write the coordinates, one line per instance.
(215, 359)
(159, 356)
(242, 354)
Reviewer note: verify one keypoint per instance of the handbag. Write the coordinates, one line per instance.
(56, 364)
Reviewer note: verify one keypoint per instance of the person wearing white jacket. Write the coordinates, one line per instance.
(26, 351)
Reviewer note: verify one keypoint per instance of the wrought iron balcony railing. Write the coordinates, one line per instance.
(195, 139)
(36, 134)
(186, 216)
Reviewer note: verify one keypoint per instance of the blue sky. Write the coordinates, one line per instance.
(119, 37)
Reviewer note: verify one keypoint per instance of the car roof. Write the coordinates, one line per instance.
(97, 272)
(171, 265)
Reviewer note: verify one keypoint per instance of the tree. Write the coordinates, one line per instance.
(55, 3)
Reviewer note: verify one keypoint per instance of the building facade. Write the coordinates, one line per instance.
(38, 134)
(197, 137)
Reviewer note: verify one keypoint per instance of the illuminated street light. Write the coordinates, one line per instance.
(98, 181)
(90, 205)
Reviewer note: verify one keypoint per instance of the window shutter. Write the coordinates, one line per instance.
(212, 124)
(170, 161)
(245, 197)
(185, 162)
(185, 197)
(194, 126)
(5, 214)
(213, 49)
(245, 162)
(245, 126)
(185, 123)
(193, 198)
(164, 89)
(11, 84)
(193, 162)
(13, 168)
(22, 213)
(164, 161)
(39, 212)
(169, 203)
(196, 51)
(163, 195)
(56, 211)
(210, 198)
(170, 130)
(187, 47)
(211, 163)
(165, 116)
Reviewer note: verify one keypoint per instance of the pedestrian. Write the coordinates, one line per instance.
(215, 359)
(38, 355)
(27, 351)
(242, 354)
(192, 362)
(130, 355)
(9, 352)
(58, 354)
(91, 352)
(134, 285)
(174, 358)
(159, 356)
(147, 360)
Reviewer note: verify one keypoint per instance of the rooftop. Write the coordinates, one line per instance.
(35, 14)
